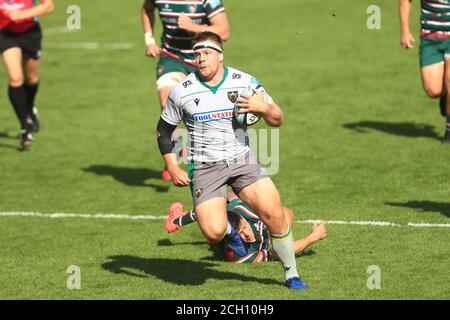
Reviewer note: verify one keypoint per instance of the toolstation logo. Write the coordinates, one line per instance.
(214, 115)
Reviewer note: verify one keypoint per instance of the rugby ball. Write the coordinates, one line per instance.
(249, 118)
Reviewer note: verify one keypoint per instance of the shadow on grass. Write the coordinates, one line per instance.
(134, 177)
(169, 243)
(406, 129)
(176, 271)
(9, 137)
(307, 253)
(7, 146)
(424, 206)
(217, 250)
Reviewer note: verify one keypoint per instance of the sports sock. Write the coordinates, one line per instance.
(186, 219)
(31, 90)
(18, 98)
(283, 245)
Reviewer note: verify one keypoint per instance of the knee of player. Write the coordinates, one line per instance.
(16, 81)
(271, 212)
(276, 223)
(447, 85)
(32, 79)
(213, 238)
(433, 92)
(289, 214)
(214, 235)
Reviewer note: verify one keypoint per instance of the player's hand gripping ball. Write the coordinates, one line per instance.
(250, 118)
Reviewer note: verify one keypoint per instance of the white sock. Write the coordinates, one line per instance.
(283, 245)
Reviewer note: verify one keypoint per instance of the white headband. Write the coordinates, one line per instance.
(207, 44)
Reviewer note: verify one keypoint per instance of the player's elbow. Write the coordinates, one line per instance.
(276, 122)
(50, 7)
(225, 34)
(164, 132)
(274, 116)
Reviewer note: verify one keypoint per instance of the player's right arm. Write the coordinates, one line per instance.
(269, 110)
(407, 40)
(45, 7)
(171, 116)
(164, 133)
(148, 21)
(180, 177)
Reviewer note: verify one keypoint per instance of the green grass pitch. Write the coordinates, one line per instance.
(361, 142)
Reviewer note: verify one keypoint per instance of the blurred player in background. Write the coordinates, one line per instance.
(250, 240)
(180, 21)
(205, 101)
(434, 50)
(20, 46)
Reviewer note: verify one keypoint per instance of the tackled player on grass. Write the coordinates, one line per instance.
(251, 241)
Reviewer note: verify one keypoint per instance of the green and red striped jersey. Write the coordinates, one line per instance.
(435, 18)
(176, 42)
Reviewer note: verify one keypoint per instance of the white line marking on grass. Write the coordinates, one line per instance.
(81, 215)
(429, 225)
(88, 45)
(362, 223)
(60, 215)
(58, 30)
(379, 223)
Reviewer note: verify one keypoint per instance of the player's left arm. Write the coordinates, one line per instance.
(148, 22)
(269, 110)
(407, 40)
(217, 24)
(45, 7)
